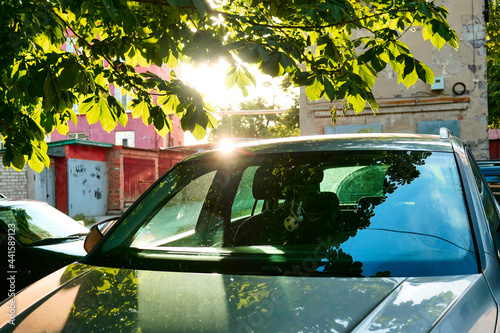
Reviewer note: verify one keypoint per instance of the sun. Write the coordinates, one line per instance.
(209, 80)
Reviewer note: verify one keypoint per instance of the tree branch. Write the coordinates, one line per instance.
(273, 26)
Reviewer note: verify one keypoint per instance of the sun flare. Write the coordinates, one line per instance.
(210, 82)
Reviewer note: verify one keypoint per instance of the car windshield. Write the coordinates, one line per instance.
(362, 213)
(36, 221)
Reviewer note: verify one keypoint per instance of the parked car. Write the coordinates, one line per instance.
(491, 171)
(35, 240)
(342, 233)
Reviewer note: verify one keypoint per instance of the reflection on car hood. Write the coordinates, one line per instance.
(87, 298)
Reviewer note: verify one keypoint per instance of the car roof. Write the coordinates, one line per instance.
(336, 142)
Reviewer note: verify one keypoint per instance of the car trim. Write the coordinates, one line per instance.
(465, 174)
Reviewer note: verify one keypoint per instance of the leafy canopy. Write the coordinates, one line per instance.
(335, 48)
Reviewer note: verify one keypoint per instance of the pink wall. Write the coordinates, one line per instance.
(145, 136)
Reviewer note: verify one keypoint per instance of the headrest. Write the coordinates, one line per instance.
(266, 185)
(275, 182)
(307, 176)
(321, 201)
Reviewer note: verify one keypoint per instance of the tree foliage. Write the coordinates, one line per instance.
(335, 48)
(257, 126)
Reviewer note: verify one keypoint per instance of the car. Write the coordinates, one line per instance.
(36, 239)
(491, 172)
(333, 233)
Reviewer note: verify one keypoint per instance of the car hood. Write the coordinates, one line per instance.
(87, 298)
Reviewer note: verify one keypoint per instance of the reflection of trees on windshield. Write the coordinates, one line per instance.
(329, 257)
(26, 232)
(288, 189)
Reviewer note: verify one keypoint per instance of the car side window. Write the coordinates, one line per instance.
(180, 214)
(487, 199)
(244, 203)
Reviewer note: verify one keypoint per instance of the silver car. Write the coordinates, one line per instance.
(347, 233)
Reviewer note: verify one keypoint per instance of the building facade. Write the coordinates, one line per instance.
(457, 100)
(136, 133)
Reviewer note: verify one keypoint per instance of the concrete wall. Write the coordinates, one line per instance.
(87, 187)
(405, 110)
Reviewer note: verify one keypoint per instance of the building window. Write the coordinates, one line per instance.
(78, 136)
(123, 99)
(125, 138)
(432, 127)
(70, 45)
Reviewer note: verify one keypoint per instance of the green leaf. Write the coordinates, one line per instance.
(62, 127)
(394, 24)
(409, 66)
(72, 116)
(48, 88)
(367, 74)
(94, 113)
(18, 160)
(139, 109)
(315, 90)
(108, 117)
(69, 76)
(146, 115)
(199, 132)
(123, 119)
(35, 163)
(249, 75)
(172, 61)
(200, 6)
(424, 73)
(168, 103)
(208, 106)
(129, 22)
(164, 46)
(410, 79)
(424, 10)
(330, 90)
(271, 67)
(111, 9)
(86, 105)
(231, 76)
(438, 41)
(357, 102)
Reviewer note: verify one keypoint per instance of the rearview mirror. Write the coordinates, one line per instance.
(97, 231)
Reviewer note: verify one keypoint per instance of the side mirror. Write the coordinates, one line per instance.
(97, 231)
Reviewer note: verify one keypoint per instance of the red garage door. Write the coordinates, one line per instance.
(139, 175)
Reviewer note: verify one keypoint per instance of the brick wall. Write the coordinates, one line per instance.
(62, 184)
(114, 159)
(164, 160)
(13, 184)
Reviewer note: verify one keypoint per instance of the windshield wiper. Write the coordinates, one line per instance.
(55, 240)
